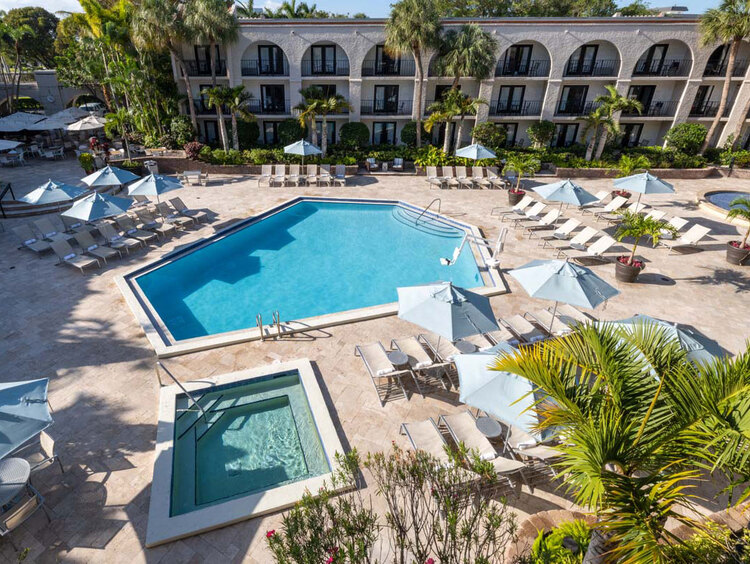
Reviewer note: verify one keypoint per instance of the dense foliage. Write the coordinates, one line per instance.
(354, 134)
(686, 137)
(490, 134)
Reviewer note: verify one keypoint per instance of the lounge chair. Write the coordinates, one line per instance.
(571, 315)
(598, 203)
(41, 455)
(91, 247)
(425, 436)
(182, 209)
(442, 349)
(325, 175)
(551, 325)
(171, 216)
(594, 253)
(678, 223)
(398, 164)
(149, 223)
(117, 241)
(312, 175)
(464, 181)
(578, 242)
(29, 240)
(73, 225)
(689, 240)
(517, 210)
(524, 331)
(381, 370)
(522, 446)
(49, 231)
(279, 176)
(26, 504)
(480, 341)
(140, 201)
(610, 210)
(266, 173)
(449, 177)
(534, 213)
(562, 233)
(294, 177)
(433, 179)
(495, 180)
(503, 335)
(635, 207)
(127, 224)
(477, 173)
(430, 371)
(371, 164)
(340, 177)
(67, 255)
(546, 222)
(656, 215)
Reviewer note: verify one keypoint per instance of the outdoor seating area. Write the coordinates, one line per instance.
(478, 177)
(302, 175)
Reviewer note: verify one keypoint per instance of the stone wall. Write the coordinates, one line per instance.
(177, 165)
(665, 173)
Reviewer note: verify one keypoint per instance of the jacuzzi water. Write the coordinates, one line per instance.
(310, 259)
(254, 437)
(723, 199)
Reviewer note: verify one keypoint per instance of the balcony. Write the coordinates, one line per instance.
(268, 107)
(668, 67)
(400, 67)
(535, 67)
(709, 109)
(602, 67)
(202, 108)
(574, 108)
(257, 67)
(656, 109)
(527, 108)
(203, 68)
(720, 69)
(386, 107)
(325, 68)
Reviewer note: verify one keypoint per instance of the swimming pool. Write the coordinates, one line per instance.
(307, 258)
(724, 198)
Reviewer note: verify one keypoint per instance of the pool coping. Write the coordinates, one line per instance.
(165, 345)
(716, 211)
(163, 528)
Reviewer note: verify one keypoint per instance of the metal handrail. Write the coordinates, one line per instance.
(176, 381)
(2, 195)
(440, 203)
(259, 323)
(277, 322)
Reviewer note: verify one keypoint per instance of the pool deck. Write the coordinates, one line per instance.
(78, 331)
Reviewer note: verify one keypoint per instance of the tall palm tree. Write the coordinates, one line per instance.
(159, 25)
(118, 123)
(217, 97)
(237, 99)
(638, 423)
(598, 123)
(728, 24)
(612, 104)
(414, 27)
(292, 10)
(334, 104)
(467, 106)
(470, 51)
(309, 109)
(443, 111)
(14, 37)
(244, 9)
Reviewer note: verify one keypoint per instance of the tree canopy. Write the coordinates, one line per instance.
(38, 46)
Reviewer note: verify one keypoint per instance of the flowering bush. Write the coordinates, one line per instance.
(193, 149)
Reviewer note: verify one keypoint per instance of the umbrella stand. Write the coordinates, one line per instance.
(552, 321)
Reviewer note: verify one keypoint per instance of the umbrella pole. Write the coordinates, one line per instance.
(552, 321)
(638, 201)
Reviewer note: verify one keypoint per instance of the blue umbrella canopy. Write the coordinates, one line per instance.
(109, 176)
(446, 310)
(52, 192)
(98, 206)
(303, 148)
(475, 152)
(644, 183)
(153, 185)
(24, 413)
(565, 192)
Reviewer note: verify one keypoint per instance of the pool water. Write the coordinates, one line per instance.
(310, 259)
(723, 199)
(255, 436)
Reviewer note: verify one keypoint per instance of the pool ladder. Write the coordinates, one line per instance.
(275, 320)
(176, 381)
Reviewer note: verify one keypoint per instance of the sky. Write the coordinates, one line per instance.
(372, 9)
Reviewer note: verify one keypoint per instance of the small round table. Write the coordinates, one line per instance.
(398, 358)
(465, 347)
(14, 474)
(489, 427)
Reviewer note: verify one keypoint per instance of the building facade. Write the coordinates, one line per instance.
(547, 68)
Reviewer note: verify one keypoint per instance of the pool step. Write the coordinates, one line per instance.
(425, 223)
(190, 416)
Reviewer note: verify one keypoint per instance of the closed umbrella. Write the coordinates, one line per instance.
(98, 206)
(447, 310)
(303, 148)
(562, 281)
(109, 176)
(475, 152)
(644, 183)
(565, 192)
(87, 124)
(153, 185)
(24, 413)
(6, 145)
(52, 192)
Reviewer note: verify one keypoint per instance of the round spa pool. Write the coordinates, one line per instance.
(722, 199)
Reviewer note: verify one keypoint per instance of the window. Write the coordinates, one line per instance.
(583, 60)
(270, 132)
(702, 98)
(517, 59)
(384, 133)
(323, 59)
(386, 99)
(384, 63)
(270, 59)
(510, 99)
(272, 98)
(331, 127)
(653, 61)
(328, 90)
(644, 94)
(717, 61)
(511, 130)
(572, 100)
(203, 58)
(631, 134)
(211, 131)
(565, 134)
(441, 90)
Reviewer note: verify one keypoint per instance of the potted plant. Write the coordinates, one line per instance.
(637, 226)
(520, 164)
(86, 161)
(739, 251)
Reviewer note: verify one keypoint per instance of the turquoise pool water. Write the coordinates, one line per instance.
(310, 259)
(255, 436)
(723, 199)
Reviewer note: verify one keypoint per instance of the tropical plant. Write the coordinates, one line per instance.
(332, 104)
(193, 149)
(414, 27)
(629, 165)
(468, 52)
(740, 208)
(86, 160)
(466, 106)
(489, 134)
(354, 134)
(290, 130)
(729, 24)
(14, 37)
(218, 97)
(522, 164)
(611, 104)
(118, 123)
(409, 134)
(638, 226)
(553, 546)
(309, 110)
(599, 123)
(292, 10)
(245, 9)
(541, 133)
(638, 423)
(181, 130)
(444, 111)
(236, 102)
(38, 46)
(686, 137)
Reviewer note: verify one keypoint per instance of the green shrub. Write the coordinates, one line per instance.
(489, 134)
(548, 546)
(541, 133)
(290, 131)
(432, 156)
(409, 134)
(181, 130)
(686, 137)
(354, 134)
(717, 545)
(205, 153)
(155, 140)
(682, 160)
(248, 133)
(87, 162)
(713, 155)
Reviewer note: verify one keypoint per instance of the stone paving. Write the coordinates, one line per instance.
(77, 331)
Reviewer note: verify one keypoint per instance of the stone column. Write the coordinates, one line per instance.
(686, 102)
(551, 97)
(737, 114)
(485, 93)
(355, 98)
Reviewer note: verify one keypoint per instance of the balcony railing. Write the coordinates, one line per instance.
(656, 109)
(535, 67)
(325, 68)
(203, 68)
(526, 108)
(258, 67)
(265, 107)
(202, 108)
(399, 67)
(574, 108)
(720, 69)
(602, 67)
(668, 67)
(709, 109)
(386, 107)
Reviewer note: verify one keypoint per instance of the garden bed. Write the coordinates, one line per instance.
(666, 173)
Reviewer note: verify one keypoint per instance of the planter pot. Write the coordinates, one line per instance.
(738, 256)
(625, 272)
(515, 197)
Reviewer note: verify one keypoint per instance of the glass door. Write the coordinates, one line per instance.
(565, 134)
(644, 94)
(572, 100)
(384, 63)
(510, 99)
(331, 129)
(270, 59)
(272, 98)
(511, 129)
(386, 99)
(517, 60)
(384, 133)
(631, 134)
(324, 59)
(655, 59)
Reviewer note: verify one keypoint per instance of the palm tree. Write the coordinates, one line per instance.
(244, 9)
(117, 124)
(467, 106)
(414, 27)
(728, 24)
(309, 109)
(636, 226)
(218, 97)
(629, 165)
(613, 103)
(14, 36)
(740, 207)
(158, 25)
(236, 103)
(443, 111)
(598, 122)
(292, 10)
(334, 104)
(638, 422)
(521, 164)
(469, 51)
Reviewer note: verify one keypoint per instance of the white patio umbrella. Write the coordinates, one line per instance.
(19, 121)
(644, 183)
(52, 192)
(109, 176)
(475, 152)
(154, 185)
(565, 192)
(6, 145)
(303, 148)
(98, 206)
(69, 115)
(47, 124)
(87, 124)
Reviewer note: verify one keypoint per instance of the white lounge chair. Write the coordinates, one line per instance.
(266, 173)
(464, 181)
(433, 179)
(678, 223)
(503, 335)
(340, 177)
(534, 213)
(279, 175)
(562, 233)
(571, 315)
(656, 215)
(578, 242)
(66, 255)
(689, 240)
(546, 222)
(551, 325)
(382, 372)
(325, 175)
(450, 178)
(524, 331)
(477, 173)
(518, 209)
(495, 180)
(595, 252)
(612, 207)
(425, 436)
(430, 371)
(312, 175)
(598, 203)
(442, 349)
(294, 177)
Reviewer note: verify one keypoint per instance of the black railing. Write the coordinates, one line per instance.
(325, 68)
(535, 67)
(655, 109)
(525, 108)
(203, 68)
(601, 67)
(709, 109)
(202, 108)
(576, 108)
(398, 67)
(386, 107)
(261, 107)
(6, 187)
(257, 67)
(720, 69)
(668, 67)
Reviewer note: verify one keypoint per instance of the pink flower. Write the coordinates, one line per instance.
(270, 533)
(330, 560)
(429, 561)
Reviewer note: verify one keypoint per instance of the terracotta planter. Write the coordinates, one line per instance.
(626, 272)
(515, 197)
(736, 255)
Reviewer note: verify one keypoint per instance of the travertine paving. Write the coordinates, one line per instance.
(77, 331)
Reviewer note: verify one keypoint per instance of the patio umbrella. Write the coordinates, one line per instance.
(52, 192)
(562, 281)
(19, 121)
(47, 124)
(98, 206)
(24, 413)
(109, 176)
(6, 145)
(153, 185)
(565, 192)
(69, 115)
(303, 148)
(447, 310)
(475, 152)
(87, 124)
(504, 395)
(644, 183)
